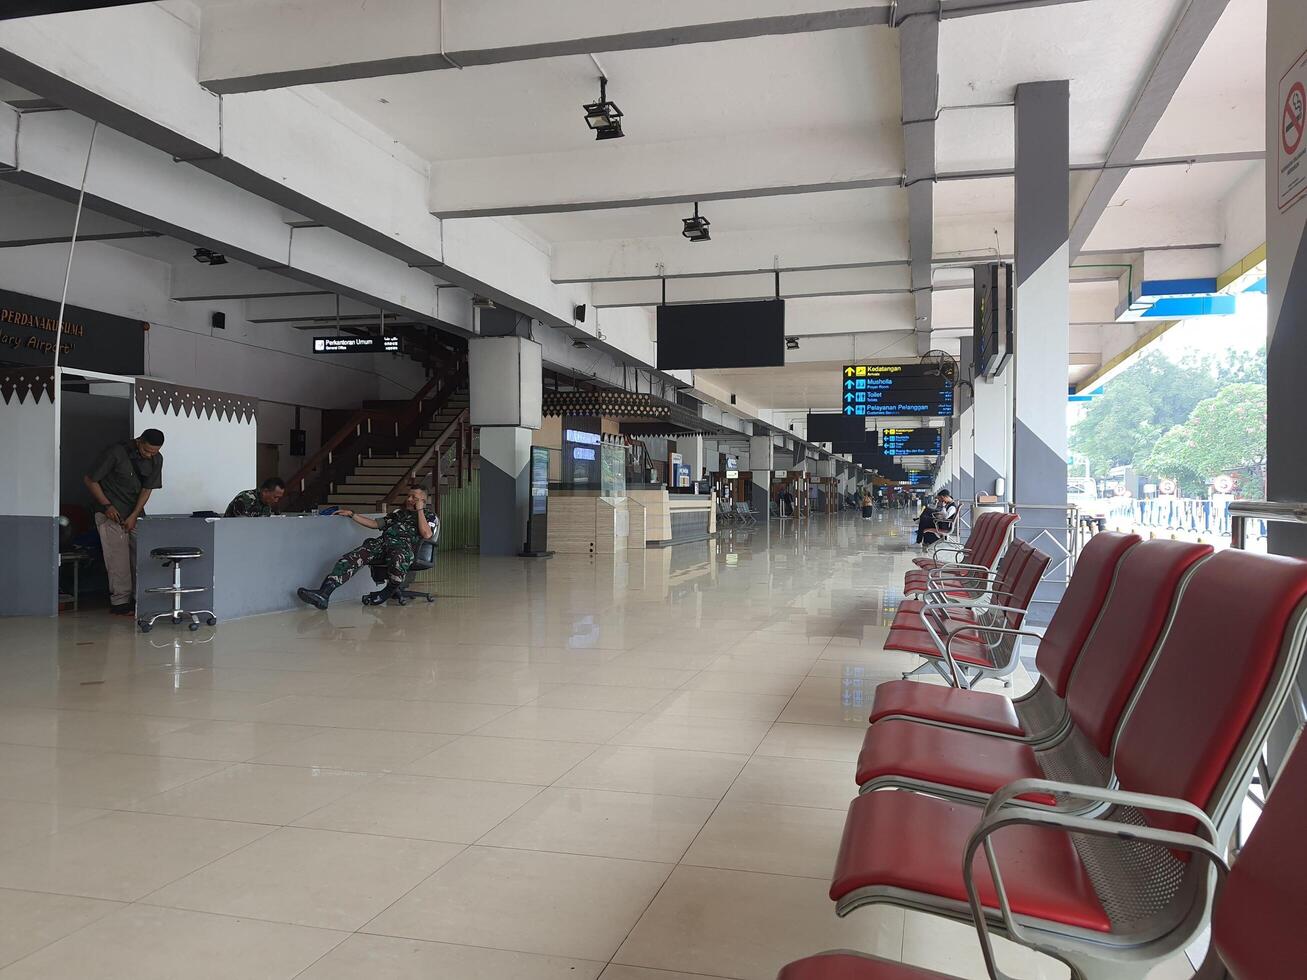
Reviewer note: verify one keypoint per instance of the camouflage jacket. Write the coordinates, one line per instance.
(248, 503)
(401, 527)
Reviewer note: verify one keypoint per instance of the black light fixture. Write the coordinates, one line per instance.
(603, 116)
(696, 228)
(791, 343)
(207, 256)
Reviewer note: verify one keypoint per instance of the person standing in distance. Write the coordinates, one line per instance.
(121, 480)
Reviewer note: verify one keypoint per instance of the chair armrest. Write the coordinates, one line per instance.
(953, 634)
(1004, 810)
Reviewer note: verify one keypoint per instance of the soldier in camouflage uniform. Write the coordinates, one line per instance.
(401, 530)
(257, 503)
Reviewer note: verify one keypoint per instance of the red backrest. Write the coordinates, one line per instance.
(1078, 611)
(1009, 567)
(1118, 651)
(1032, 570)
(1208, 682)
(1002, 522)
(978, 542)
(1257, 926)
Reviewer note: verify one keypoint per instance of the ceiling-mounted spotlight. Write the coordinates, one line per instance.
(580, 344)
(696, 228)
(603, 116)
(209, 257)
(482, 303)
(791, 343)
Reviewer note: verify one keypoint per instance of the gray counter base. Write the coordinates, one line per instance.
(251, 565)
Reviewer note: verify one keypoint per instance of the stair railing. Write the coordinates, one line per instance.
(459, 428)
(370, 429)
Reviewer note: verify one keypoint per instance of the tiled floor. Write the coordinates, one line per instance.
(634, 770)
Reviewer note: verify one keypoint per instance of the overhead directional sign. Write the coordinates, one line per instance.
(911, 442)
(887, 390)
(355, 345)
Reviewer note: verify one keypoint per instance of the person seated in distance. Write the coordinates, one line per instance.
(395, 547)
(935, 522)
(257, 503)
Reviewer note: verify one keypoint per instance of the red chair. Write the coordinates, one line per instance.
(976, 560)
(1041, 712)
(963, 653)
(955, 762)
(1106, 900)
(1257, 920)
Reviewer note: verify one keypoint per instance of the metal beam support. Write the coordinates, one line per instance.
(1191, 31)
(918, 25)
(35, 8)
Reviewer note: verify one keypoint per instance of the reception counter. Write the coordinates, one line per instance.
(671, 518)
(251, 565)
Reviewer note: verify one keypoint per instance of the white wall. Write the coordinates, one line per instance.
(28, 474)
(275, 422)
(265, 361)
(206, 461)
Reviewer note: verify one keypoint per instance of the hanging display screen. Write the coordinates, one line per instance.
(911, 442)
(888, 390)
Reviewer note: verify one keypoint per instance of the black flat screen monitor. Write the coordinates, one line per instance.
(721, 335)
(835, 427)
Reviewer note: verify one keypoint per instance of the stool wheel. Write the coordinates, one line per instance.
(212, 620)
(145, 625)
(431, 599)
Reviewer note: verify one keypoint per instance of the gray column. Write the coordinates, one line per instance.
(965, 422)
(1042, 323)
(1286, 334)
(761, 457)
(505, 456)
(992, 434)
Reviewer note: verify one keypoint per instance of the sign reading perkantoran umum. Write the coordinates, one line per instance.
(90, 340)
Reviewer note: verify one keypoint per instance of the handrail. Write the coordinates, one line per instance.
(1242, 511)
(298, 482)
(402, 484)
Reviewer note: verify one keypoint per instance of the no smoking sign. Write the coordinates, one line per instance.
(1292, 175)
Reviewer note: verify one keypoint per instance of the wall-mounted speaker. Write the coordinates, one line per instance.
(218, 321)
(579, 313)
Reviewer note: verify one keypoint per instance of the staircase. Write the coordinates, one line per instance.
(375, 476)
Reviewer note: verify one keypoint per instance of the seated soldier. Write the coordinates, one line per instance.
(257, 503)
(401, 530)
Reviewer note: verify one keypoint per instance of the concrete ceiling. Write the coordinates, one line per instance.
(786, 119)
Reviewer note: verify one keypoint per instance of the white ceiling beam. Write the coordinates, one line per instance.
(1194, 27)
(622, 175)
(869, 281)
(37, 8)
(918, 26)
(272, 44)
(198, 283)
(835, 246)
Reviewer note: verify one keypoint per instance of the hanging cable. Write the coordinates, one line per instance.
(72, 245)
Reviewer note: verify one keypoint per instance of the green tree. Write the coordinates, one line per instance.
(1224, 434)
(1140, 404)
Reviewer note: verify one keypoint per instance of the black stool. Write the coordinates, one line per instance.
(423, 558)
(175, 557)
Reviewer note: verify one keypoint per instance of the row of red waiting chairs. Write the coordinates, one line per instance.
(1106, 799)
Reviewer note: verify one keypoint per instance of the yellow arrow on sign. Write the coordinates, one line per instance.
(848, 372)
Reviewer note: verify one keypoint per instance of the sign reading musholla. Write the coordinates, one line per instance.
(90, 340)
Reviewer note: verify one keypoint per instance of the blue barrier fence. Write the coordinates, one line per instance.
(1180, 514)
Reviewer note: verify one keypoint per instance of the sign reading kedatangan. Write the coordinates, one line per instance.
(355, 345)
(1291, 147)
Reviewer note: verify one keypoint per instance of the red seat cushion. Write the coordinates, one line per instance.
(965, 649)
(839, 965)
(916, 843)
(970, 709)
(908, 616)
(946, 756)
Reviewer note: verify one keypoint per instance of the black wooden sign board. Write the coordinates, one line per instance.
(90, 340)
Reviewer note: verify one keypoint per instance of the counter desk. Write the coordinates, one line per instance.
(251, 565)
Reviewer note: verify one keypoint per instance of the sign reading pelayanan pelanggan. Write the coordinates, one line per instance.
(90, 340)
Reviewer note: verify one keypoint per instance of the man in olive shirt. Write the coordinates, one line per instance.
(120, 480)
(257, 503)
